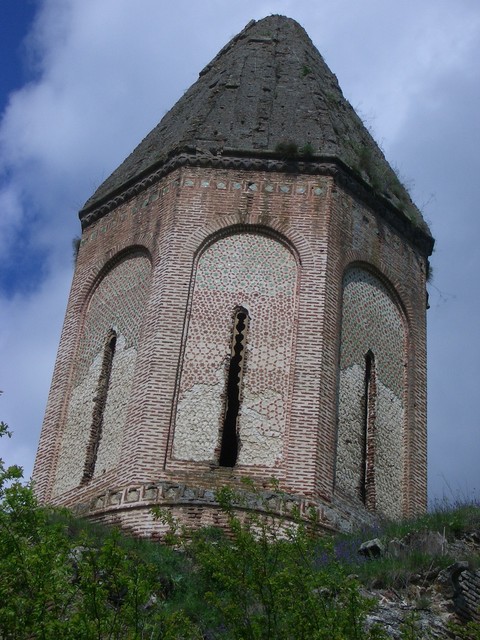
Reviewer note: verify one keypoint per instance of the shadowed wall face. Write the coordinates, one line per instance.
(259, 274)
(371, 416)
(116, 305)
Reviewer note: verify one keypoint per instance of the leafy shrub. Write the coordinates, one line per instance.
(60, 579)
(267, 578)
(262, 577)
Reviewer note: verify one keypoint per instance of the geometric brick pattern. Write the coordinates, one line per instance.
(260, 274)
(371, 322)
(117, 303)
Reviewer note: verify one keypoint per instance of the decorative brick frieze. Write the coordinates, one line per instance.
(131, 507)
(264, 162)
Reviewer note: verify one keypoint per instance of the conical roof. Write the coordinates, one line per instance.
(268, 91)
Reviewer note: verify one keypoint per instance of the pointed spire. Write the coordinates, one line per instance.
(268, 92)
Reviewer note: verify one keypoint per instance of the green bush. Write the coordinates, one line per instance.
(261, 577)
(266, 578)
(60, 579)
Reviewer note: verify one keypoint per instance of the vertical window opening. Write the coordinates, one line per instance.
(100, 401)
(229, 442)
(367, 482)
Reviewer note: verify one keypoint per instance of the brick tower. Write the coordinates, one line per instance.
(248, 301)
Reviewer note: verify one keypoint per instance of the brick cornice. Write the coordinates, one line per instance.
(251, 160)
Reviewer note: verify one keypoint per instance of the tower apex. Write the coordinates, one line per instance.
(267, 95)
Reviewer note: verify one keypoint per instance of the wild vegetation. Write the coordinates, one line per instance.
(61, 577)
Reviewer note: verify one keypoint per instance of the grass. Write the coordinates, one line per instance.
(414, 565)
(182, 585)
(451, 521)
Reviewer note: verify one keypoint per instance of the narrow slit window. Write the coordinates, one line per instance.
(367, 482)
(229, 440)
(100, 401)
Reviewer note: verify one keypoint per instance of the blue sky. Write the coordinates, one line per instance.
(15, 21)
(83, 81)
(17, 69)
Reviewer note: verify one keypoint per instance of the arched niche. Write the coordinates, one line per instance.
(372, 393)
(257, 273)
(103, 369)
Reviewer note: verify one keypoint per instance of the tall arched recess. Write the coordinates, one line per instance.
(103, 370)
(247, 278)
(372, 394)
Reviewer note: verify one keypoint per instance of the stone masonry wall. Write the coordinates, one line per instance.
(117, 303)
(259, 274)
(371, 323)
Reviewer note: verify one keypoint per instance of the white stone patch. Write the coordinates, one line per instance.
(115, 413)
(71, 460)
(79, 421)
(389, 452)
(261, 428)
(199, 417)
(197, 426)
(350, 429)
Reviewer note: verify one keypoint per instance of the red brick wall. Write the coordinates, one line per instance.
(326, 230)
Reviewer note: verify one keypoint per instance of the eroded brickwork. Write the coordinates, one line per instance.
(371, 322)
(117, 303)
(259, 274)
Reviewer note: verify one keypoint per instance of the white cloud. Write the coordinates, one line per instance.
(29, 333)
(11, 216)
